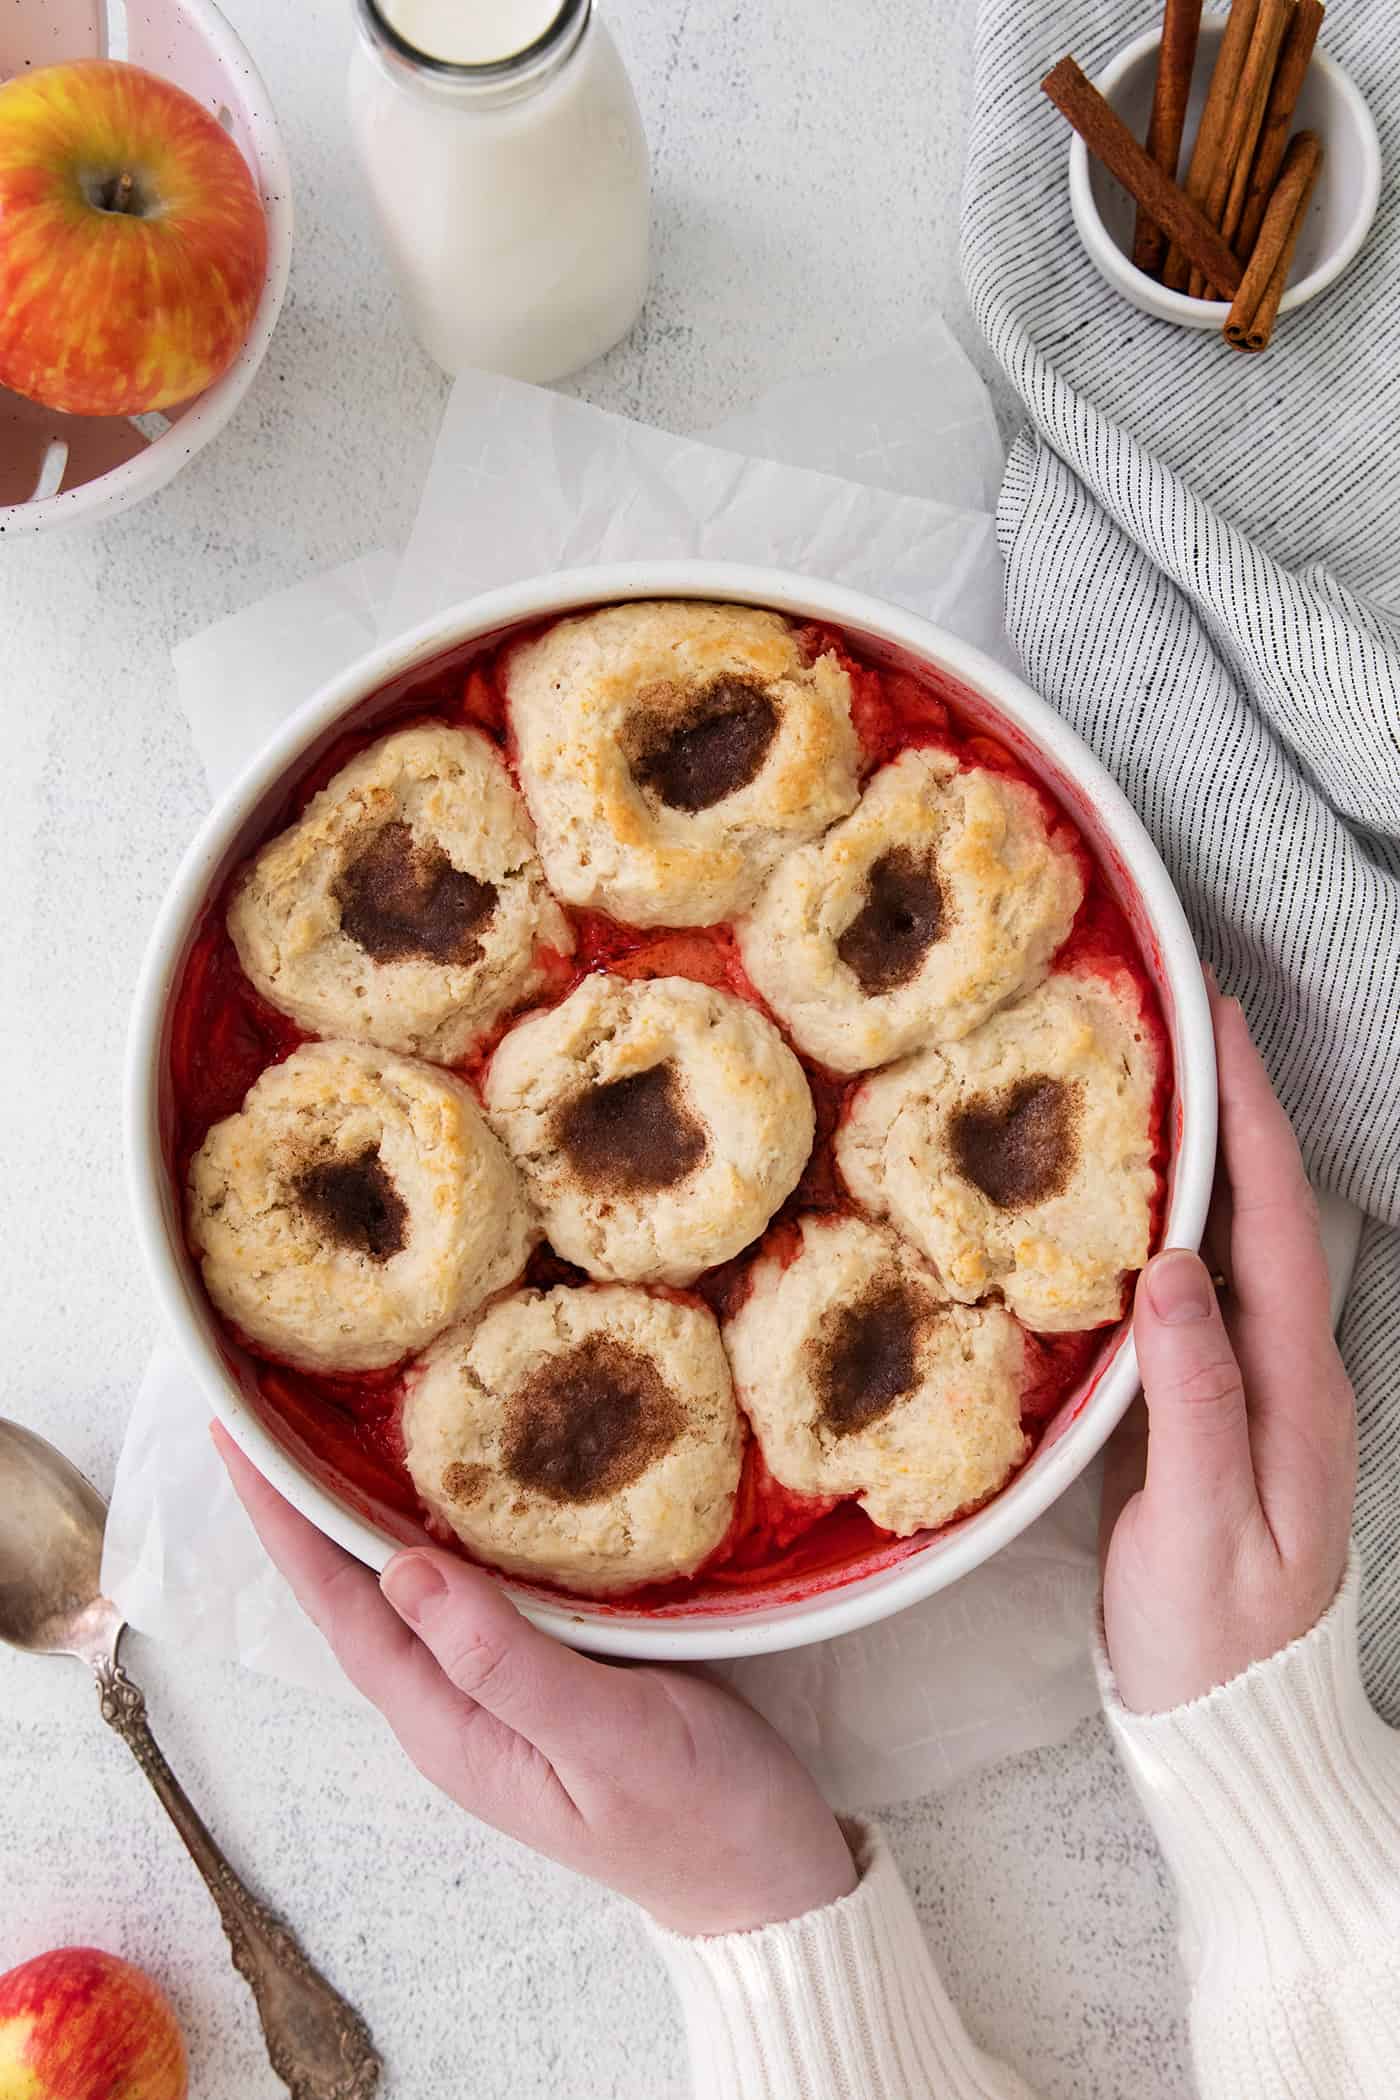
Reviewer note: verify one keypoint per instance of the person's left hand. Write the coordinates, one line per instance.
(659, 1783)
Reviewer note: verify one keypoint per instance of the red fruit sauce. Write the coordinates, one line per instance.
(224, 1034)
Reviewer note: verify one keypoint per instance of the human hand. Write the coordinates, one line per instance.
(1236, 1541)
(659, 1783)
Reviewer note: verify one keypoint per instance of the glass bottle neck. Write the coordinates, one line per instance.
(482, 85)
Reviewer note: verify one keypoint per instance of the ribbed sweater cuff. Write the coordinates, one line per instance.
(1276, 1801)
(842, 2004)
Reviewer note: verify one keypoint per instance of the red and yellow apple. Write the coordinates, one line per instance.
(78, 2024)
(133, 243)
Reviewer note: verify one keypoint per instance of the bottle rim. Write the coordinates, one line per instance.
(514, 73)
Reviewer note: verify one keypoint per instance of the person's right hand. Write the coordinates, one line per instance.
(1236, 1541)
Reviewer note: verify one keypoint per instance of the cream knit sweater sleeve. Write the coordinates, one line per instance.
(1276, 1801)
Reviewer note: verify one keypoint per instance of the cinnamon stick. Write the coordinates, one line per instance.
(1220, 100)
(1255, 310)
(1245, 120)
(1110, 141)
(1176, 59)
(1289, 75)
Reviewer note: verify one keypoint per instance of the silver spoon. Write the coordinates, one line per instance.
(51, 1525)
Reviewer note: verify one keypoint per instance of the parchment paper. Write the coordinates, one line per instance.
(882, 476)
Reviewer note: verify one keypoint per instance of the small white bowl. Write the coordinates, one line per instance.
(996, 702)
(1339, 217)
(113, 461)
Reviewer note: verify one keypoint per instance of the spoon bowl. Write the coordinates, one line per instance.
(51, 1526)
(51, 1603)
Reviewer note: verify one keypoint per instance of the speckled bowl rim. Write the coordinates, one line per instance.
(160, 461)
(950, 1555)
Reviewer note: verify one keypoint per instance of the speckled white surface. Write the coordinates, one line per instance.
(807, 163)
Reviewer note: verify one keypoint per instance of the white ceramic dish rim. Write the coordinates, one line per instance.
(884, 1591)
(159, 462)
(1171, 305)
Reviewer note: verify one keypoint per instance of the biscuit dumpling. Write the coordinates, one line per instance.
(861, 1377)
(1020, 1159)
(658, 1125)
(586, 1437)
(944, 894)
(672, 752)
(356, 1205)
(407, 905)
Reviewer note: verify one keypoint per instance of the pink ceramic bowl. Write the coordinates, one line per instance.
(71, 470)
(995, 701)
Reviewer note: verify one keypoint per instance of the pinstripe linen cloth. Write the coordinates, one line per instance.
(1203, 577)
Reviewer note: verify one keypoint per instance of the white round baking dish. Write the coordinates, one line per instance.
(998, 702)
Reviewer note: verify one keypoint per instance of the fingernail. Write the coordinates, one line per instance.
(1178, 1289)
(409, 1582)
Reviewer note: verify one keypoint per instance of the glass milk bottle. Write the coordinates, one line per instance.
(508, 170)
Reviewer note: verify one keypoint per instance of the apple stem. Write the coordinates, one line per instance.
(119, 194)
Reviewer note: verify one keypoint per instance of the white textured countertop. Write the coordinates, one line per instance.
(807, 162)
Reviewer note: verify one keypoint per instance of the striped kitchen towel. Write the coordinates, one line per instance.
(1203, 576)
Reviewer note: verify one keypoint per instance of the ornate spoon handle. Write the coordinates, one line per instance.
(317, 2044)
